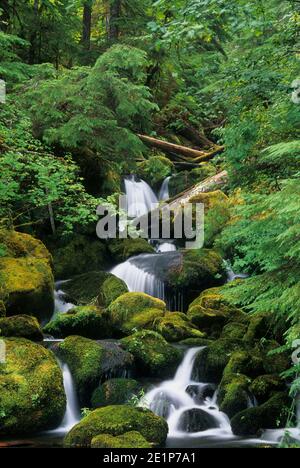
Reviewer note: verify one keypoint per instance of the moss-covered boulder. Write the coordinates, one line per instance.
(88, 321)
(133, 440)
(116, 421)
(265, 386)
(245, 361)
(27, 285)
(185, 179)
(274, 362)
(114, 392)
(210, 312)
(261, 325)
(122, 249)
(80, 255)
(91, 363)
(217, 213)
(175, 326)
(24, 326)
(233, 394)
(32, 395)
(154, 357)
(155, 169)
(135, 311)
(271, 415)
(111, 289)
(210, 362)
(197, 271)
(234, 330)
(195, 342)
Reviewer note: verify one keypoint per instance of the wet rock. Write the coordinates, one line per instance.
(196, 420)
(24, 326)
(201, 392)
(115, 392)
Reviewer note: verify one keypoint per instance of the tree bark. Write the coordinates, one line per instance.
(191, 155)
(113, 20)
(87, 25)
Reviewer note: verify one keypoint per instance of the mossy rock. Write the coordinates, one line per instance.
(175, 326)
(154, 357)
(116, 421)
(197, 271)
(80, 255)
(155, 169)
(91, 363)
(111, 289)
(133, 440)
(234, 330)
(217, 213)
(185, 179)
(195, 342)
(271, 415)
(27, 285)
(87, 321)
(247, 362)
(210, 362)
(23, 326)
(135, 311)
(210, 312)
(32, 396)
(114, 392)
(2, 309)
(233, 394)
(260, 326)
(265, 386)
(122, 249)
(273, 361)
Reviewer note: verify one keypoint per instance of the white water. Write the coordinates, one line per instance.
(166, 247)
(72, 414)
(61, 306)
(171, 400)
(140, 197)
(164, 191)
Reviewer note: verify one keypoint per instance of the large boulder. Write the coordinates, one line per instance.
(211, 311)
(271, 415)
(122, 249)
(80, 255)
(154, 357)
(115, 392)
(117, 421)
(88, 321)
(32, 395)
(27, 285)
(265, 386)
(132, 439)
(175, 326)
(135, 311)
(233, 394)
(91, 363)
(94, 285)
(196, 420)
(24, 326)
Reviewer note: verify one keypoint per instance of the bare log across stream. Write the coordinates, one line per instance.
(191, 155)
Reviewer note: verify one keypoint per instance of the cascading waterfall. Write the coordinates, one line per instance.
(61, 306)
(164, 191)
(189, 407)
(140, 197)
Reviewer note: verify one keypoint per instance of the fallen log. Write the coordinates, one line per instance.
(190, 153)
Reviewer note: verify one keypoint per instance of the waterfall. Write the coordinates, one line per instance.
(189, 407)
(164, 191)
(72, 414)
(61, 306)
(140, 197)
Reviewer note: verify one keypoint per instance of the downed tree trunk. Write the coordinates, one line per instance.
(190, 153)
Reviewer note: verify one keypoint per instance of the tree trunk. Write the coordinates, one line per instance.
(191, 155)
(195, 137)
(87, 25)
(113, 20)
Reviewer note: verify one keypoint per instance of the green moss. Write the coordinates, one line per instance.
(23, 326)
(210, 312)
(31, 389)
(134, 311)
(131, 439)
(122, 249)
(247, 362)
(23, 245)
(155, 169)
(116, 421)
(195, 342)
(198, 270)
(273, 361)
(271, 415)
(233, 394)
(211, 361)
(111, 289)
(87, 321)
(114, 392)
(91, 362)
(260, 326)
(82, 289)
(175, 326)
(264, 386)
(153, 355)
(2, 309)
(80, 255)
